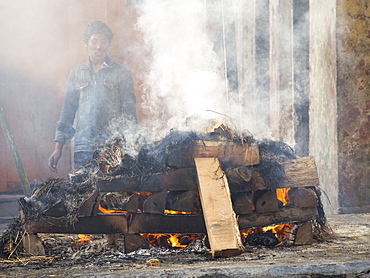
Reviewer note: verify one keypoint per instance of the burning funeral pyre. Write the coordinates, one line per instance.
(220, 191)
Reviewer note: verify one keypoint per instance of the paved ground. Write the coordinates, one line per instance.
(345, 256)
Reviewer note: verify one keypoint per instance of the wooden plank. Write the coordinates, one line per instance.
(89, 207)
(181, 157)
(300, 172)
(228, 152)
(100, 224)
(283, 216)
(182, 200)
(304, 234)
(135, 242)
(243, 179)
(118, 184)
(175, 180)
(32, 244)
(265, 201)
(143, 223)
(155, 203)
(303, 197)
(219, 216)
(243, 203)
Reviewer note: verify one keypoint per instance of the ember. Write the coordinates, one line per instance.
(82, 240)
(103, 210)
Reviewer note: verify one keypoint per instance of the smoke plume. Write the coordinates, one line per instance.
(184, 74)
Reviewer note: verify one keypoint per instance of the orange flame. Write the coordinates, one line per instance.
(103, 210)
(170, 239)
(282, 195)
(281, 232)
(82, 240)
(174, 240)
(167, 211)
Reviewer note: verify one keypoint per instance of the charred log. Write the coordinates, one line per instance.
(242, 179)
(100, 224)
(282, 216)
(182, 201)
(144, 223)
(134, 242)
(155, 203)
(243, 203)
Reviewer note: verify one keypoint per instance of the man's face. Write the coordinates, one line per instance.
(97, 48)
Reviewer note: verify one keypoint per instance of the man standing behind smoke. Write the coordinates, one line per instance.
(101, 91)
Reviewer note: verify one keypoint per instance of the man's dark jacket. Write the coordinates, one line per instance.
(101, 102)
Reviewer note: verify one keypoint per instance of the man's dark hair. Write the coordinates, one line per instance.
(97, 27)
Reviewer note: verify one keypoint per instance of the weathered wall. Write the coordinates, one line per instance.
(353, 33)
(323, 101)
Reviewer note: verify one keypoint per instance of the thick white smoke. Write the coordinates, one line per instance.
(184, 73)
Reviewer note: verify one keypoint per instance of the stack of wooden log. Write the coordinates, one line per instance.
(219, 187)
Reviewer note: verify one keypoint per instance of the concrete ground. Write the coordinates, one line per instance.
(346, 255)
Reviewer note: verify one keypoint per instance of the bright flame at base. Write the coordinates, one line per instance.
(169, 240)
(103, 210)
(281, 232)
(83, 239)
(167, 211)
(282, 195)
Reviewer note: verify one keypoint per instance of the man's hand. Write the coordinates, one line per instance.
(55, 156)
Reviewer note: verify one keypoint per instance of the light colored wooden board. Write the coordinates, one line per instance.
(229, 152)
(219, 216)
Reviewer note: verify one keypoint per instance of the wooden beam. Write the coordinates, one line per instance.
(155, 203)
(144, 223)
(243, 203)
(304, 234)
(243, 179)
(175, 180)
(303, 197)
(219, 216)
(300, 172)
(227, 152)
(265, 201)
(118, 184)
(89, 207)
(100, 224)
(182, 200)
(283, 216)
(134, 242)
(32, 244)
